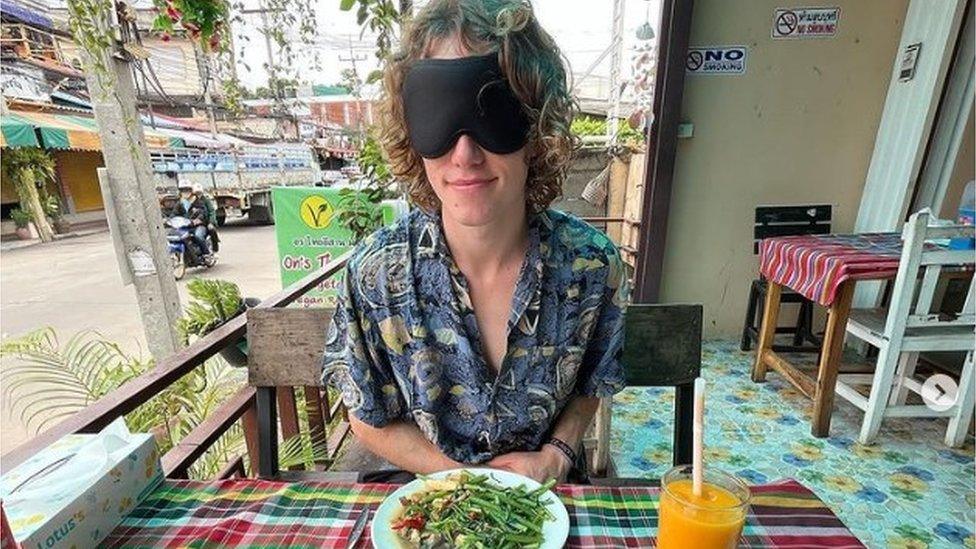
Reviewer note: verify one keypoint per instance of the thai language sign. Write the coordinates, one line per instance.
(310, 235)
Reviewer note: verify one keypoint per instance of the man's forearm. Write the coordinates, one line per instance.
(574, 419)
(402, 444)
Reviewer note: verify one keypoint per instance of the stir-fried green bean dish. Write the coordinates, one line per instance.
(468, 511)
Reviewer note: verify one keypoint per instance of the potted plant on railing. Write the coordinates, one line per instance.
(21, 221)
(214, 302)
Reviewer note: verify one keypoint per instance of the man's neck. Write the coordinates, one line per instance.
(486, 250)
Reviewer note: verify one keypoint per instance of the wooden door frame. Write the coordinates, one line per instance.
(662, 141)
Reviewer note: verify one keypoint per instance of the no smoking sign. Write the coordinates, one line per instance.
(716, 60)
(805, 22)
(786, 23)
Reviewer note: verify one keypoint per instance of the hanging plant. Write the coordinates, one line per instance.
(88, 20)
(204, 20)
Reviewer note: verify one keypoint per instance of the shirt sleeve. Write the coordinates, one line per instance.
(601, 371)
(354, 362)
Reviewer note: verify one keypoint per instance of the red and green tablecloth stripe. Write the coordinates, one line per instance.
(254, 513)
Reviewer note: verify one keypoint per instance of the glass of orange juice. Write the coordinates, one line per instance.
(712, 520)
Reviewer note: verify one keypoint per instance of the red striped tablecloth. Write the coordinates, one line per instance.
(816, 265)
(255, 513)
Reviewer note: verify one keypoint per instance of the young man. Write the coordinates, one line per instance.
(482, 328)
(194, 207)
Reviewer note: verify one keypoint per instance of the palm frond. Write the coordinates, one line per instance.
(43, 378)
(37, 410)
(47, 381)
(53, 419)
(296, 451)
(37, 339)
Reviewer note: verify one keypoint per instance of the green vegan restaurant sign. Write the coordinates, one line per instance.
(310, 235)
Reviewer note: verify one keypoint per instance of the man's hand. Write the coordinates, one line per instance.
(540, 466)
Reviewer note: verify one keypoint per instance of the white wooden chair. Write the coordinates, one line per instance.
(908, 327)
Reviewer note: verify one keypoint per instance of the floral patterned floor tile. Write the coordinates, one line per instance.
(908, 490)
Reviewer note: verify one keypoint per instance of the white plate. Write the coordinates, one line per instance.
(554, 531)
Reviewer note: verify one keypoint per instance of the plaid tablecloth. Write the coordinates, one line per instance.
(254, 513)
(816, 265)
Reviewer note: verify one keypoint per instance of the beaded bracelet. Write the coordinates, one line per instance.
(564, 448)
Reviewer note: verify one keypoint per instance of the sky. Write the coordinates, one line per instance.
(581, 28)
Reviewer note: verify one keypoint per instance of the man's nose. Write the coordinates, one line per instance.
(467, 152)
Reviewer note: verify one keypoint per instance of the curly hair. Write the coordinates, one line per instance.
(535, 70)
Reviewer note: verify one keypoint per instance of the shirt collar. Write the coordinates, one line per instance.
(431, 241)
(526, 297)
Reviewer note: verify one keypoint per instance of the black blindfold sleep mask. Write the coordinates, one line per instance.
(444, 98)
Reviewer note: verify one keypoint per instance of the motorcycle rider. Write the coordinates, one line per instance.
(193, 206)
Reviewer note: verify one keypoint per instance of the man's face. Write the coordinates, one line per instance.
(476, 187)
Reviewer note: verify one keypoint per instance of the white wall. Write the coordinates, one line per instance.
(797, 128)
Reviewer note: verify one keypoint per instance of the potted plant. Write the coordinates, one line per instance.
(28, 169)
(22, 221)
(52, 208)
(213, 303)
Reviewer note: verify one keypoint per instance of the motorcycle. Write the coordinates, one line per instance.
(184, 251)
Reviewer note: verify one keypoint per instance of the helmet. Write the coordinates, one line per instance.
(197, 188)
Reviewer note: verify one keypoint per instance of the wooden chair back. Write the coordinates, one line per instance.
(662, 348)
(772, 221)
(284, 354)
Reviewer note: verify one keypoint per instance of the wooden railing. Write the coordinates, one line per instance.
(240, 407)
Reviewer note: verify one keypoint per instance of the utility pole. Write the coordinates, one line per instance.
(206, 80)
(356, 85)
(132, 191)
(273, 85)
(267, 42)
(616, 54)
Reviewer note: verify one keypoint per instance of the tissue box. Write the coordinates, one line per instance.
(6, 536)
(74, 492)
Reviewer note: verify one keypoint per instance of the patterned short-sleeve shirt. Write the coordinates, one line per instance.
(404, 342)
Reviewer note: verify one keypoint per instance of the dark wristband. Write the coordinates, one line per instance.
(564, 448)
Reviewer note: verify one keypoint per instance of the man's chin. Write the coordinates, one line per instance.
(472, 217)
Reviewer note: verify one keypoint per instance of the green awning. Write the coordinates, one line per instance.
(154, 139)
(17, 131)
(66, 131)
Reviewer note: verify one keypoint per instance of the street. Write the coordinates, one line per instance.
(74, 285)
